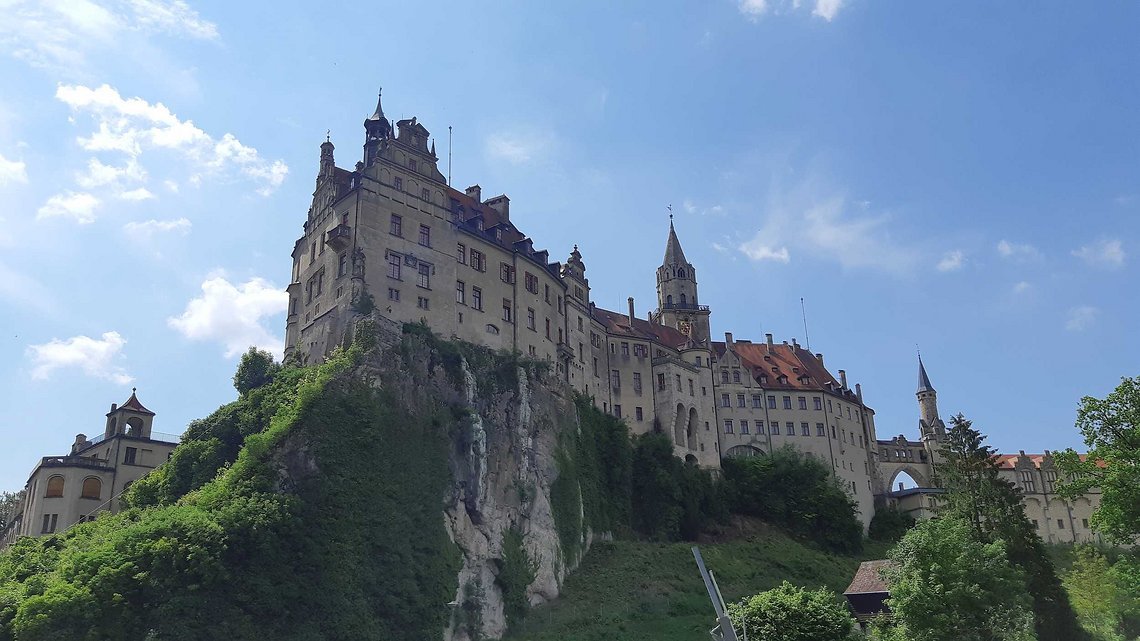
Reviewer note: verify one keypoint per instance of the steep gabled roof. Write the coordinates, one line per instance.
(781, 359)
(923, 380)
(867, 579)
(619, 325)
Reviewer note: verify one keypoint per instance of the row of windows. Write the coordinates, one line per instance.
(774, 428)
(396, 228)
(92, 486)
(1061, 524)
(638, 413)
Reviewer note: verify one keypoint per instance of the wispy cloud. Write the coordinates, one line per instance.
(691, 208)
(133, 127)
(233, 315)
(1017, 252)
(1081, 318)
(79, 207)
(756, 9)
(951, 261)
(1103, 253)
(1022, 287)
(813, 220)
(520, 146)
(145, 231)
(95, 357)
(59, 35)
(12, 171)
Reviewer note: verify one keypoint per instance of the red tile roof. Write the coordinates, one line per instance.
(133, 403)
(867, 579)
(1009, 461)
(618, 324)
(781, 359)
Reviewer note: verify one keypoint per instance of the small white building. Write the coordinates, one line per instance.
(70, 489)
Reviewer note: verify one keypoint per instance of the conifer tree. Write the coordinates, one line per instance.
(977, 494)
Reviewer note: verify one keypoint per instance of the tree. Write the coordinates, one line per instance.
(1111, 428)
(991, 506)
(889, 524)
(946, 585)
(256, 368)
(10, 505)
(790, 613)
(1096, 594)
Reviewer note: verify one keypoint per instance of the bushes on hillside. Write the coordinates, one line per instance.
(790, 613)
(797, 492)
(672, 499)
(889, 524)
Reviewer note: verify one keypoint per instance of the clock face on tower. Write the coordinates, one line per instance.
(685, 327)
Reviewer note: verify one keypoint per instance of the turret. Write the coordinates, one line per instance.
(377, 129)
(130, 418)
(931, 426)
(677, 303)
(328, 164)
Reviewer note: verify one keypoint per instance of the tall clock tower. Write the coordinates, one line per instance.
(677, 303)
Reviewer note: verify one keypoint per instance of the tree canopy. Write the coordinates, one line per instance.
(790, 613)
(1111, 429)
(256, 368)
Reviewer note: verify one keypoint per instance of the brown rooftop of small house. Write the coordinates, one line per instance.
(867, 578)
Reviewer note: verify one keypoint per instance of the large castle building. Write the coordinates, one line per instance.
(392, 236)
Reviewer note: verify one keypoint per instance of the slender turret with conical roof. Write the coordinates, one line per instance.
(376, 129)
(930, 425)
(677, 304)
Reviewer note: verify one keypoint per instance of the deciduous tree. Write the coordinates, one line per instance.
(790, 613)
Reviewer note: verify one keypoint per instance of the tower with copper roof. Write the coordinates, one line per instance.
(677, 303)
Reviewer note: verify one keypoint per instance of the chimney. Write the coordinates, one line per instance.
(476, 192)
(649, 316)
(843, 378)
(819, 357)
(501, 204)
(768, 337)
(80, 442)
(728, 339)
(859, 392)
(114, 406)
(1022, 452)
(631, 314)
(794, 343)
(900, 486)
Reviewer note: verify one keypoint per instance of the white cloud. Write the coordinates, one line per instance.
(146, 230)
(233, 314)
(60, 34)
(691, 208)
(826, 9)
(1081, 318)
(133, 127)
(1021, 287)
(753, 9)
(78, 206)
(94, 357)
(951, 261)
(1017, 252)
(810, 220)
(519, 147)
(12, 171)
(1104, 253)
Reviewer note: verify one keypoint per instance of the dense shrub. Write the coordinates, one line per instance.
(790, 613)
(889, 524)
(797, 492)
(672, 499)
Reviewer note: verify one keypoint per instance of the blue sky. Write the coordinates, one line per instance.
(960, 176)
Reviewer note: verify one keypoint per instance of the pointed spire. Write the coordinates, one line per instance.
(923, 380)
(379, 113)
(433, 147)
(673, 253)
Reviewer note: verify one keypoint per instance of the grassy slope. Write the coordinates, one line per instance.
(632, 591)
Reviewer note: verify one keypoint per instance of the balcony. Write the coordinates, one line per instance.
(565, 352)
(339, 237)
(684, 306)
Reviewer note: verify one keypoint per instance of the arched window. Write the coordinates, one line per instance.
(742, 451)
(92, 488)
(680, 273)
(54, 486)
(134, 426)
(683, 299)
(669, 300)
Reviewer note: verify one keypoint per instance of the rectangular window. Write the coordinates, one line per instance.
(774, 428)
(728, 426)
(478, 260)
(790, 428)
(425, 275)
(743, 427)
(530, 321)
(399, 183)
(396, 225)
(461, 253)
(803, 403)
(312, 253)
(507, 310)
(771, 402)
(394, 262)
(393, 294)
(548, 329)
(735, 376)
(787, 402)
(829, 404)
(819, 430)
(477, 297)
(691, 392)
(129, 455)
(740, 400)
(615, 379)
(1060, 524)
(460, 292)
(678, 378)
(725, 401)
(805, 430)
(661, 382)
(757, 401)
(546, 294)
(531, 283)
(1085, 523)
(50, 521)
(637, 383)
(595, 368)
(625, 350)
(580, 324)
(506, 273)
(422, 303)
(638, 414)
(425, 235)
(617, 411)
(342, 265)
(818, 402)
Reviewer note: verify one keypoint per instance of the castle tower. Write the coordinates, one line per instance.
(130, 418)
(377, 129)
(677, 304)
(328, 164)
(930, 426)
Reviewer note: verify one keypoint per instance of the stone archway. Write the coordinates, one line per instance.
(679, 425)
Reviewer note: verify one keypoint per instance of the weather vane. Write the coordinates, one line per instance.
(670, 208)
(328, 135)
